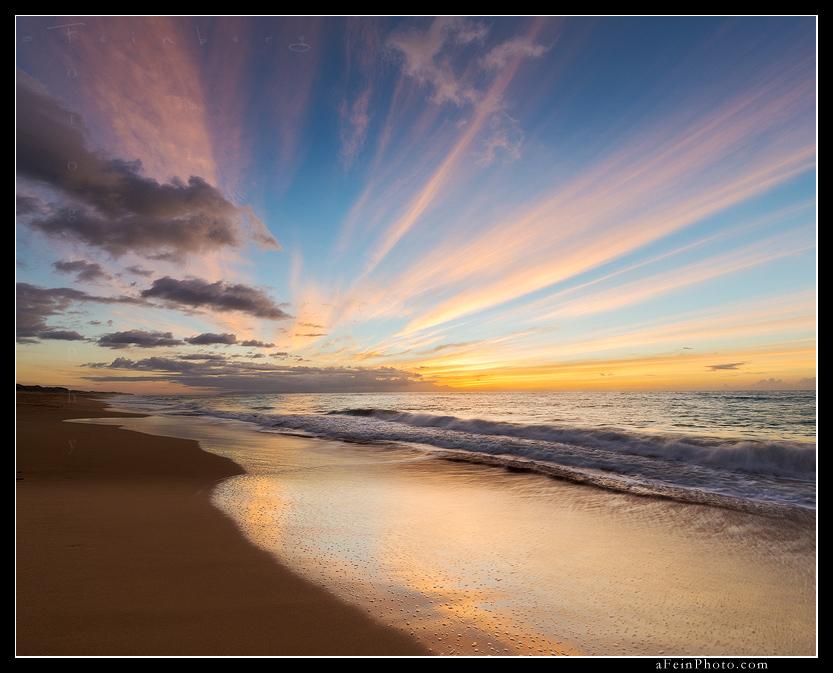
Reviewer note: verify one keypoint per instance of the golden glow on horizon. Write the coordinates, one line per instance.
(662, 372)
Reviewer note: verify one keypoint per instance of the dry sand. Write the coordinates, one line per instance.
(119, 552)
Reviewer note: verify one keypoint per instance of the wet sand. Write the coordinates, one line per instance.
(478, 560)
(120, 552)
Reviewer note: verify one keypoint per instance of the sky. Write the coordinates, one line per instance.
(363, 204)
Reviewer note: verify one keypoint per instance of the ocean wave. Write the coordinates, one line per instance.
(690, 467)
(786, 459)
(704, 469)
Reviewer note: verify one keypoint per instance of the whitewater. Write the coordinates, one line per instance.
(737, 449)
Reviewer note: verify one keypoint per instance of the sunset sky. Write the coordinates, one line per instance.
(270, 204)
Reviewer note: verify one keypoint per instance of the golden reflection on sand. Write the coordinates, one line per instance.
(474, 559)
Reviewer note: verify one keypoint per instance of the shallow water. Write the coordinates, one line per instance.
(747, 450)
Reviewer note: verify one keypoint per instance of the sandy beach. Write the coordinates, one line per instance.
(119, 552)
(181, 535)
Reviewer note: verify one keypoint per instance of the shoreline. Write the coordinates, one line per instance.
(120, 552)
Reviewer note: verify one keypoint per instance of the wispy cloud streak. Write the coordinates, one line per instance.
(636, 196)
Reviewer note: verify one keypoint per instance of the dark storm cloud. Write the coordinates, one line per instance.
(779, 384)
(138, 338)
(208, 338)
(36, 304)
(27, 205)
(253, 343)
(236, 376)
(156, 364)
(204, 356)
(219, 296)
(139, 271)
(106, 202)
(85, 271)
(60, 335)
(730, 365)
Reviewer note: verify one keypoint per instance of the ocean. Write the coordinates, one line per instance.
(532, 523)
